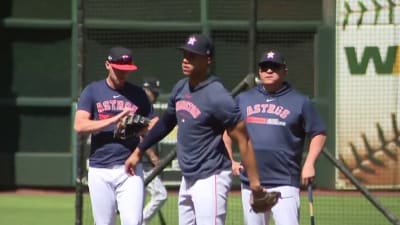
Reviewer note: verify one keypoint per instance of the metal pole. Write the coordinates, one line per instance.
(78, 49)
(252, 40)
(204, 17)
(252, 35)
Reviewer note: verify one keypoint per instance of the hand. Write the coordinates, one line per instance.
(151, 154)
(307, 174)
(132, 161)
(120, 115)
(257, 190)
(237, 167)
(155, 161)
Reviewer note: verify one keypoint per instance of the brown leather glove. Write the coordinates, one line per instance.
(131, 125)
(263, 203)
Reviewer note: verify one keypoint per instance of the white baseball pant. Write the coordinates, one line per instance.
(112, 189)
(285, 212)
(204, 202)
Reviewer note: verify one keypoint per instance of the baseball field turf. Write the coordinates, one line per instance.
(59, 209)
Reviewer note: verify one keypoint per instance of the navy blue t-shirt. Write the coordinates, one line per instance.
(278, 124)
(202, 115)
(103, 102)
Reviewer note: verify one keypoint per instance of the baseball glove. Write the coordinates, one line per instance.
(265, 202)
(130, 125)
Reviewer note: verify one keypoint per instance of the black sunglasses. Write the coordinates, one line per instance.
(272, 66)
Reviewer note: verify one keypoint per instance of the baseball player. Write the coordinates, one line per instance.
(278, 119)
(156, 189)
(101, 105)
(202, 109)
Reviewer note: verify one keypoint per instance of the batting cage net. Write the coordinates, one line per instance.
(343, 54)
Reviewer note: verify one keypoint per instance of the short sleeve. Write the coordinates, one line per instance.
(313, 123)
(85, 100)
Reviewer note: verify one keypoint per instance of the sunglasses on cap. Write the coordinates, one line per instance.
(125, 59)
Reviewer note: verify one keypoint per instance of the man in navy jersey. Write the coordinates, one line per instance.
(278, 119)
(101, 106)
(202, 109)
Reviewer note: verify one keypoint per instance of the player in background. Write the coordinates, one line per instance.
(278, 119)
(156, 189)
(101, 105)
(202, 108)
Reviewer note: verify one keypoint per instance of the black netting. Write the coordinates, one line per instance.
(149, 10)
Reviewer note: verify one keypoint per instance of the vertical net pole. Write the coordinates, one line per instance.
(204, 17)
(80, 159)
(252, 38)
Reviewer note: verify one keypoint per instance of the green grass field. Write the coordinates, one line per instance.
(59, 209)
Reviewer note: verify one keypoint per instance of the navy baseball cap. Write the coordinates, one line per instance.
(199, 44)
(272, 57)
(120, 58)
(153, 85)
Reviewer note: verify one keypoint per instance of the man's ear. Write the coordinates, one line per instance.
(107, 65)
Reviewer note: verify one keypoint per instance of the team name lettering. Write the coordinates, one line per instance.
(188, 107)
(115, 105)
(268, 108)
